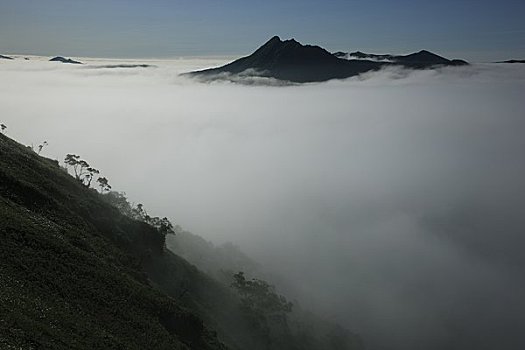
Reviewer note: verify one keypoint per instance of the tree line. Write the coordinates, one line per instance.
(85, 174)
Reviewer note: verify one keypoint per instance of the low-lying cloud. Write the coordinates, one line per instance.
(392, 202)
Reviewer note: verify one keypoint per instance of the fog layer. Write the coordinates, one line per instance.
(393, 203)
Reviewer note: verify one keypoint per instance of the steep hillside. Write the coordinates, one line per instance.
(215, 261)
(306, 330)
(77, 272)
(70, 272)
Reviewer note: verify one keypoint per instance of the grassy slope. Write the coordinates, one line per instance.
(70, 272)
(76, 274)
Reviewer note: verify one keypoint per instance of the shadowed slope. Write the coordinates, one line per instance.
(70, 271)
(75, 273)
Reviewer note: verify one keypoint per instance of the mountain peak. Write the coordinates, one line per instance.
(423, 57)
(292, 61)
(277, 42)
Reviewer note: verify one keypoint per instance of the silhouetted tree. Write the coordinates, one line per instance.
(163, 225)
(265, 310)
(119, 201)
(72, 160)
(83, 171)
(88, 176)
(103, 184)
(138, 212)
(258, 294)
(83, 166)
(41, 146)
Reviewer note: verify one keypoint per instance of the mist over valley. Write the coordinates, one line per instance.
(391, 202)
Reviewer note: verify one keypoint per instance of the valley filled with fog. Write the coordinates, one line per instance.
(393, 202)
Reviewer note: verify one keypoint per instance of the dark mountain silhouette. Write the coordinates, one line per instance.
(512, 61)
(2, 57)
(418, 60)
(291, 61)
(64, 60)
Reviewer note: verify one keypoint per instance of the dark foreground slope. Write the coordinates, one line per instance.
(70, 273)
(75, 273)
(291, 61)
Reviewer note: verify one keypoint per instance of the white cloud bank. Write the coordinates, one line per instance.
(394, 202)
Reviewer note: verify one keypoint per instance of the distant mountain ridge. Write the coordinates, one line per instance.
(124, 65)
(291, 61)
(512, 61)
(418, 60)
(64, 60)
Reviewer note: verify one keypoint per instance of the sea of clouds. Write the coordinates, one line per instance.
(393, 202)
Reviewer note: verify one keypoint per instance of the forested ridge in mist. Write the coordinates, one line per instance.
(71, 273)
(214, 260)
(87, 270)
